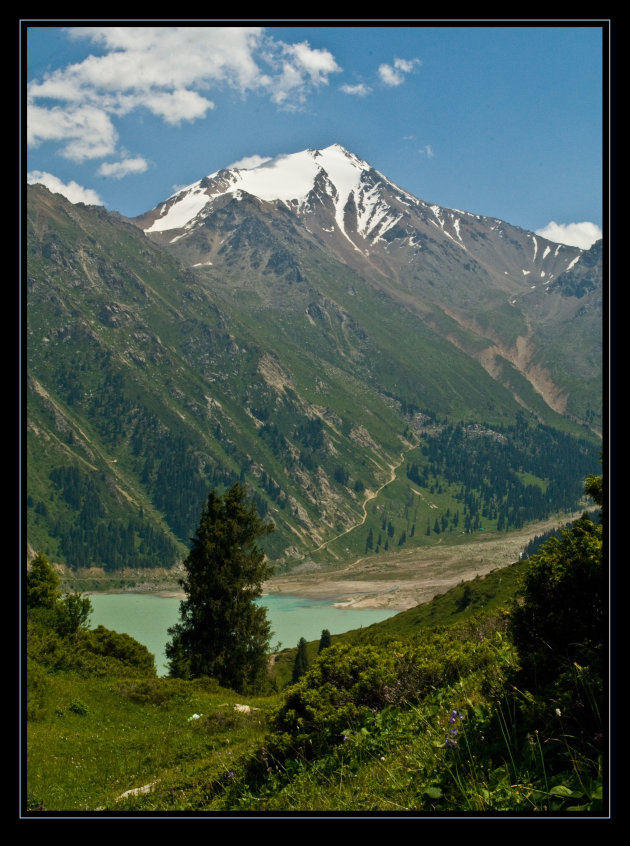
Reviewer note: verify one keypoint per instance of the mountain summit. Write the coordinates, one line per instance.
(344, 202)
(488, 286)
(333, 177)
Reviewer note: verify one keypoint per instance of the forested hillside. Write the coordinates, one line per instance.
(150, 383)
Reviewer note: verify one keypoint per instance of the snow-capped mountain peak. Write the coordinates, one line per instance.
(361, 215)
(294, 179)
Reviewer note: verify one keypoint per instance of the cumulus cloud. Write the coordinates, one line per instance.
(581, 235)
(86, 131)
(117, 170)
(250, 161)
(296, 68)
(395, 75)
(175, 106)
(72, 190)
(169, 71)
(359, 90)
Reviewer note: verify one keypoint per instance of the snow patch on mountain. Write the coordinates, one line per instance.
(575, 260)
(292, 179)
(185, 207)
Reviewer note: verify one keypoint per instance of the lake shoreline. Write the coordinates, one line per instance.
(394, 582)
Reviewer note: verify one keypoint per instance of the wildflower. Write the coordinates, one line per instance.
(558, 712)
(230, 774)
(450, 742)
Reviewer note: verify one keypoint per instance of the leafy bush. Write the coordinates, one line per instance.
(153, 691)
(561, 618)
(102, 641)
(339, 691)
(348, 685)
(559, 630)
(99, 652)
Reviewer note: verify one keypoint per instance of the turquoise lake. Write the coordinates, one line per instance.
(147, 617)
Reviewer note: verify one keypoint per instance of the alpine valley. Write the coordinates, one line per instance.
(313, 330)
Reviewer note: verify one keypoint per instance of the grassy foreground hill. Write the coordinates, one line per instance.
(487, 699)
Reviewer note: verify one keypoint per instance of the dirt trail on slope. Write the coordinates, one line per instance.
(393, 468)
(407, 579)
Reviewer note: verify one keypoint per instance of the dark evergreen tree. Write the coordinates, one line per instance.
(300, 665)
(369, 543)
(324, 641)
(223, 633)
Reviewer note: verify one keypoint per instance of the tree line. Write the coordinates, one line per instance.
(488, 471)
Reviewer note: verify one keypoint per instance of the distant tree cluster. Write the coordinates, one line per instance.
(484, 467)
(92, 537)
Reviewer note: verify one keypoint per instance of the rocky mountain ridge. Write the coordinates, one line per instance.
(495, 284)
(259, 342)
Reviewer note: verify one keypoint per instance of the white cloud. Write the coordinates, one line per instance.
(249, 162)
(86, 131)
(117, 170)
(175, 106)
(168, 70)
(406, 65)
(427, 151)
(316, 63)
(296, 68)
(72, 191)
(394, 76)
(581, 235)
(359, 90)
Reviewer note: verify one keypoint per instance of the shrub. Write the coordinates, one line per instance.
(559, 632)
(343, 688)
(347, 685)
(102, 641)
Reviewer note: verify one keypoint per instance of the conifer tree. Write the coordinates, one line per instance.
(42, 584)
(300, 665)
(324, 641)
(222, 632)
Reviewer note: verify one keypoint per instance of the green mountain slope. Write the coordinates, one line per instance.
(149, 382)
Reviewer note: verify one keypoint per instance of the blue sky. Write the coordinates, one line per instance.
(499, 119)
